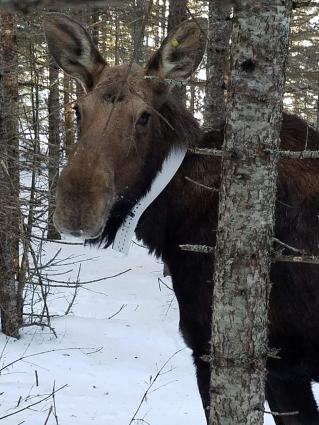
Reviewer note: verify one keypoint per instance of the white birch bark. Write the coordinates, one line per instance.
(246, 212)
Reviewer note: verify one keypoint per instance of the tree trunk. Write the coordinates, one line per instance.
(246, 212)
(217, 63)
(54, 144)
(10, 304)
(176, 15)
(69, 137)
(138, 30)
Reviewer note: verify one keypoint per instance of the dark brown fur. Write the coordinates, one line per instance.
(113, 166)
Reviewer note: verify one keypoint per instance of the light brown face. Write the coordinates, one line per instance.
(116, 125)
(119, 118)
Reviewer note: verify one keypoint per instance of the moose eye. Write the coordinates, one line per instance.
(77, 112)
(143, 119)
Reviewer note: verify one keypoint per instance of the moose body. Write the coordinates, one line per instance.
(129, 124)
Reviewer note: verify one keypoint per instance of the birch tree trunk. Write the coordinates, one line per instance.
(217, 62)
(10, 304)
(246, 212)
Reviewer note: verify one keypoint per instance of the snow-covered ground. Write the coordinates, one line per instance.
(119, 334)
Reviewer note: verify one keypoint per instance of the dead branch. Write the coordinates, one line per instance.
(203, 249)
(282, 414)
(152, 382)
(283, 244)
(307, 259)
(21, 358)
(33, 404)
(118, 311)
(296, 154)
(77, 284)
(209, 152)
(212, 189)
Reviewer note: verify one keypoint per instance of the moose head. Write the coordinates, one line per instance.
(129, 120)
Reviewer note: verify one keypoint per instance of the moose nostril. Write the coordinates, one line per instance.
(77, 234)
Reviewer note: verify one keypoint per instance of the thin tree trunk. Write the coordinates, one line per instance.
(317, 103)
(217, 62)
(54, 144)
(138, 30)
(177, 14)
(116, 46)
(246, 212)
(69, 137)
(10, 305)
(95, 17)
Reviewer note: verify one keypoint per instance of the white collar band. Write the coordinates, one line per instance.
(125, 233)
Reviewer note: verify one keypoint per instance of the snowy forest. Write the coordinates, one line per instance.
(212, 317)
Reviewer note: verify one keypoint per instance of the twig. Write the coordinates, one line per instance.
(21, 358)
(47, 418)
(63, 284)
(118, 311)
(67, 311)
(54, 405)
(300, 251)
(56, 241)
(152, 382)
(161, 281)
(41, 325)
(212, 189)
(33, 404)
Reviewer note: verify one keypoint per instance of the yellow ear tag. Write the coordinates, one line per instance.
(174, 42)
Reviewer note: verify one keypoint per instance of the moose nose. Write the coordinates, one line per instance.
(77, 234)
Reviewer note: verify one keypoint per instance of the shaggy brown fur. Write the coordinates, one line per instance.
(120, 152)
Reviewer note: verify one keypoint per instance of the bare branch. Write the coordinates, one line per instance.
(33, 404)
(307, 259)
(201, 184)
(283, 413)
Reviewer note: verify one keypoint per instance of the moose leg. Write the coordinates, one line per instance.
(292, 395)
(203, 381)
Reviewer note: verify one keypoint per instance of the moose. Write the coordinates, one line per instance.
(130, 122)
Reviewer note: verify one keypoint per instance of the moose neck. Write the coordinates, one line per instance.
(170, 166)
(187, 205)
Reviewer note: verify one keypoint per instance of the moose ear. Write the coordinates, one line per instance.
(73, 49)
(181, 52)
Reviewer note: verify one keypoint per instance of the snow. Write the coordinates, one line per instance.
(119, 334)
